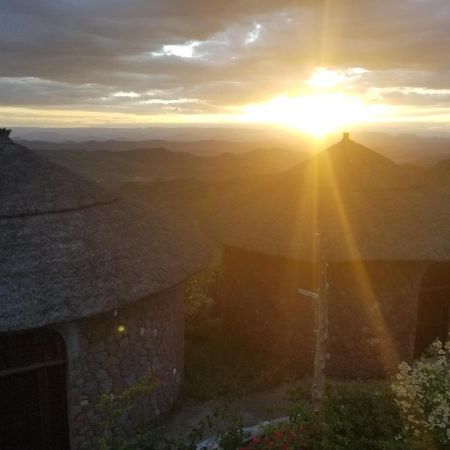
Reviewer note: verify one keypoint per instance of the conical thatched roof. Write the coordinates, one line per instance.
(68, 249)
(364, 206)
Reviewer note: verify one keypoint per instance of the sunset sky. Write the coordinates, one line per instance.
(316, 66)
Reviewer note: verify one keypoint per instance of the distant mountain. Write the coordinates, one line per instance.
(158, 164)
(403, 148)
(271, 136)
(353, 165)
(203, 147)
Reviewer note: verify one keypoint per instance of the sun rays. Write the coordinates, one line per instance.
(314, 114)
(327, 207)
(364, 287)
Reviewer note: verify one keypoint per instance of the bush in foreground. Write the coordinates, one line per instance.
(422, 392)
(354, 417)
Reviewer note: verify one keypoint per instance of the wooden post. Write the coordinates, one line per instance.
(321, 321)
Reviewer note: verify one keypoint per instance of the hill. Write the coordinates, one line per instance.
(205, 147)
(157, 164)
(344, 166)
(401, 148)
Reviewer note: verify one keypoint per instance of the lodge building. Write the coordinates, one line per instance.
(91, 291)
(384, 232)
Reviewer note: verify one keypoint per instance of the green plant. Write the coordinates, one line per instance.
(147, 440)
(114, 410)
(155, 441)
(301, 432)
(195, 434)
(231, 437)
(359, 416)
(422, 392)
(354, 416)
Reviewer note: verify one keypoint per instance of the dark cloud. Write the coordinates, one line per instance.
(78, 53)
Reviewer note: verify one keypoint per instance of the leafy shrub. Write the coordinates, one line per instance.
(353, 417)
(422, 392)
(115, 409)
(231, 437)
(361, 416)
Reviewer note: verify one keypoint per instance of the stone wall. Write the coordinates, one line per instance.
(373, 317)
(259, 301)
(110, 352)
(372, 311)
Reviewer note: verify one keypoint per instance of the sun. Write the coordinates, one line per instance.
(316, 114)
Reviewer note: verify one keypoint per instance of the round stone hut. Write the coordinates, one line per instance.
(91, 291)
(384, 233)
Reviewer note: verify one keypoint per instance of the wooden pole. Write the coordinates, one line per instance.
(321, 320)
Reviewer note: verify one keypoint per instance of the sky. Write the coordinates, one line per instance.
(311, 65)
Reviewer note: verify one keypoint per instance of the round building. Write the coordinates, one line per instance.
(91, 292)
(383, 231)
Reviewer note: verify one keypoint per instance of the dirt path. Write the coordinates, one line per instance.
(252, 409)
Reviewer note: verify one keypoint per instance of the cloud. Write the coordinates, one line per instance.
(186, 50)
(254, 34)
(129, 94)
(108, 54)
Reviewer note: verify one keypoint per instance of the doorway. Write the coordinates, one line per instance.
(33, 391)
(433, 320)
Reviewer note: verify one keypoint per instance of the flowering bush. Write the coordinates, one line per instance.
(354, 416)
(289, 436)
(422, 392)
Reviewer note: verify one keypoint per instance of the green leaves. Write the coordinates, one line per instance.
(422, 392)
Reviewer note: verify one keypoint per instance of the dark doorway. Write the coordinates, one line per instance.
(33, 415)
(433, 321)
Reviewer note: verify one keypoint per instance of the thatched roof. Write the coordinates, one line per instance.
(70, 250)
(364, 206)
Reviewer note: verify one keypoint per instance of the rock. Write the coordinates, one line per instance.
(249, 433)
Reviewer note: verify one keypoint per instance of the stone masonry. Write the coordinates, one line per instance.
(111, 351)
(372, 311)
